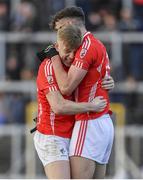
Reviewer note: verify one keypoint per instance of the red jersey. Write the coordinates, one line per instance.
(91, 56)
(48, 122)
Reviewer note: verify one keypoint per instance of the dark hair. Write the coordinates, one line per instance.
(69, 12)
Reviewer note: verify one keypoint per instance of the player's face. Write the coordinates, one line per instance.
(62, 22)
(67, 55)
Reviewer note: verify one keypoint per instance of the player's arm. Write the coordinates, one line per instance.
(108, 83)
(67, 81)
(60, 105)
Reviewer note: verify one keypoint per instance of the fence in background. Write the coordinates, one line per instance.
(19, 160)
(17, 155)
(115, 39)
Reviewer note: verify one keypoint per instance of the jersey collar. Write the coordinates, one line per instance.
(86, 34)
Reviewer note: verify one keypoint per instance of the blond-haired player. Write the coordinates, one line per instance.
(92, 137)
(55, 113)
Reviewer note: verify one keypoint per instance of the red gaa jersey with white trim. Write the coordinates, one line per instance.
(92, 57)
(48, 122)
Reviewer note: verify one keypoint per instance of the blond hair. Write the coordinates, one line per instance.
(70, 35)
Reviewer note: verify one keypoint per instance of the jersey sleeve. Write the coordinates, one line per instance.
(84, 56)
(46, 79)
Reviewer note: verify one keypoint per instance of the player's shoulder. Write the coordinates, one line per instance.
(93, 39)
(86, 48)
(44, 68)
(90, 42)
(46, 64)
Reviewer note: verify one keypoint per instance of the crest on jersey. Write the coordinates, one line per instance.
(50, 79)
(83, 53)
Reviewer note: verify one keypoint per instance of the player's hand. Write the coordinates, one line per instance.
(108, 83)
(99, 103)
(48, 52)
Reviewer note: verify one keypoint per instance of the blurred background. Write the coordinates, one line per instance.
(24, 30)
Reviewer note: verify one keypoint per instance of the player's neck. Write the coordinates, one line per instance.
(83, 30)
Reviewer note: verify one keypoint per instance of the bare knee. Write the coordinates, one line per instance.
(100, 171)
(58, 170)
(82, 168)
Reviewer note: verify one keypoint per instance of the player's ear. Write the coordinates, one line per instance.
(70, 22)
(57, 46)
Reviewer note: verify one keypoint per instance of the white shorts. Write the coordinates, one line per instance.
(93, 139)
(51, 148)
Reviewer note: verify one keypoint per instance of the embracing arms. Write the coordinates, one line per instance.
(68, 82)
(60, 105)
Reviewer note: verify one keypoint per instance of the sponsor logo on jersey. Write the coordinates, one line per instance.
(83, 53)
(50, 79)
